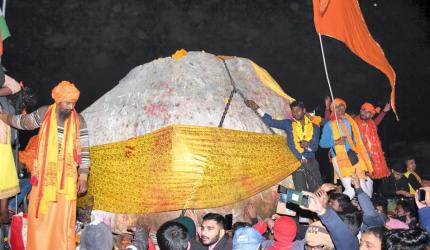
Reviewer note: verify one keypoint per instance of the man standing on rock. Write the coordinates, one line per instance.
(302, 138)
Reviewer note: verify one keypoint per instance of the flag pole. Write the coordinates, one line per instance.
(328, 82)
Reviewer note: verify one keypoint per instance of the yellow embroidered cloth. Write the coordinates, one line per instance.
(183, 166)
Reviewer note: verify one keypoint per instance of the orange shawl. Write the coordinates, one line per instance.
(54, 169)
(364, 164)
(371, 140)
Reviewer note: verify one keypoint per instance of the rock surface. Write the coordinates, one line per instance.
(192, 90)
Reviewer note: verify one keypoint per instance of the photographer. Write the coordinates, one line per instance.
(339, 232)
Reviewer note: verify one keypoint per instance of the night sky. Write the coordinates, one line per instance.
(96, 43)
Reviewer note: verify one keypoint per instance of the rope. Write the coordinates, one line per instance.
(236, 90)
(328, 82)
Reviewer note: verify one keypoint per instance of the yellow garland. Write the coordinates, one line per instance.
(302, 133)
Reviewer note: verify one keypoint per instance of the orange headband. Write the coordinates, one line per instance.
(337, 102)
(369, 107)
(65, 92)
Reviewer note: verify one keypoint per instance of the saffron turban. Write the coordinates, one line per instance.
(369, 107)
(65, 92)
(337, 102)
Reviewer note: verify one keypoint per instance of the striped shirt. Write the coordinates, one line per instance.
(34, 120)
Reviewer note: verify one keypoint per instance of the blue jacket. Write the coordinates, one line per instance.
(286, 126)
(342, 237)
(327, 136)
(371, 218)
(424, 216)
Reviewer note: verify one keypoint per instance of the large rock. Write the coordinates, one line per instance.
(192, 90)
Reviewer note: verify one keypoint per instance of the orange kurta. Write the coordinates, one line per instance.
(372, 143)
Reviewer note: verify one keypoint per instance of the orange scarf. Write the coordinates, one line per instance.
(371, 140)
(54, 169)
(364, 164)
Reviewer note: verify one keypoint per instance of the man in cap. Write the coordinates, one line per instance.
(60, 170)
(349, 155)
(369, 132)
(247, 238)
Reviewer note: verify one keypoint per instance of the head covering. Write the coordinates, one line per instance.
(317, 234)
(284, 230)
(65, 92)
(261, 227)
(96, 236)
(337, 102)
(188, 223)
(247, 238)
(369, 107)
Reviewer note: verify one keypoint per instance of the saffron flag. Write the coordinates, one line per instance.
(343, 20)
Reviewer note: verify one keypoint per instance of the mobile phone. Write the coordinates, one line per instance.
(421, 195)
(297, 197)
(228, 221)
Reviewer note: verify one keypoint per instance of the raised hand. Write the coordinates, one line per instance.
(387, 107)
(251, 104)
(327, 102)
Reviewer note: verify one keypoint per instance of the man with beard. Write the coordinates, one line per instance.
(302, 138)
(60, 170)
(213, 233)
(349, 155)
(369, 132)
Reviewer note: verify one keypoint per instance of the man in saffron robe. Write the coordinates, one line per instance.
(347, 149)
(60, 170)
(369, 132)
(302, 139)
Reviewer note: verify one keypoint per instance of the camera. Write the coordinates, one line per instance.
(292, 196)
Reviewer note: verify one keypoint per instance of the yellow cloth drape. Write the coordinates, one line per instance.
(183, 166)
(269, 82)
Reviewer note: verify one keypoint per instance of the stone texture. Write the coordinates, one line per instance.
(192, 90)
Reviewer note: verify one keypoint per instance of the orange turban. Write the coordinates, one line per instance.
(337, 102)
(369, 107)
(65, 92)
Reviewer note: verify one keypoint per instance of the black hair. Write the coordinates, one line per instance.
(172, 235)
(344, 202)
(216, 217)
(399, 239)
(407, 206)
(380, 201)
(378, 232)
(299, 104)
(399, 167)
(352, 221)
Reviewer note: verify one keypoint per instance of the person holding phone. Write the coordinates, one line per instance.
(302, 139)
(422, 199)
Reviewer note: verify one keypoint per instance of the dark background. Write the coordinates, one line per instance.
(96, 43)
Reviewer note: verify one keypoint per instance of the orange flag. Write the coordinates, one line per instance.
(342, 20)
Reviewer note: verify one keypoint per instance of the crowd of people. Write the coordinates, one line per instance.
(349, 213)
